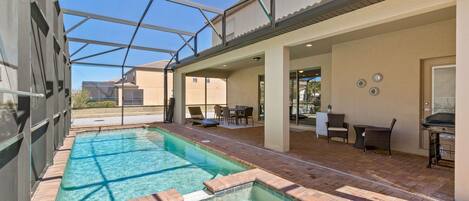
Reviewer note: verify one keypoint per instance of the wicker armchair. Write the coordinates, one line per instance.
(378, 137)
(246, 114)
(336, 127)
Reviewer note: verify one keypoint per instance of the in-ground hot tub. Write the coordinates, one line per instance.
(249, 192)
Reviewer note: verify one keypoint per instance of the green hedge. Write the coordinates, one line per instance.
(101, 104)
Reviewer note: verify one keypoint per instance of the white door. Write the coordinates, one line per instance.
(438, 78)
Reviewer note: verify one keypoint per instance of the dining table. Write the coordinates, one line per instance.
(359, 138)
(236, 112)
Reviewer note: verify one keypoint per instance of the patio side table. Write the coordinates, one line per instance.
(359, 139)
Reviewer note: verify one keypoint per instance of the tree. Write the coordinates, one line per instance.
(80, 99)
(315, 91)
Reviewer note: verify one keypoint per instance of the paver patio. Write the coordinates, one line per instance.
(334, 168)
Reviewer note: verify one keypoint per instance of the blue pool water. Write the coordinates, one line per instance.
(125, 164)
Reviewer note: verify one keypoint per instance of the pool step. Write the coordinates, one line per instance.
(197, 196)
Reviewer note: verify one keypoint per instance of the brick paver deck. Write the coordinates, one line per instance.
(335, 168)
(49, 185)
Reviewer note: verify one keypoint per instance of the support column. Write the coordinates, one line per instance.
(179, 81)
(462, 100)
(276, 127)
(165, 95)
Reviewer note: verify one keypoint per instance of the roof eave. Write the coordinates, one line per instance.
(316, 14)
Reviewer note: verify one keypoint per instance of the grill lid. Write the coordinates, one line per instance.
(439, 119)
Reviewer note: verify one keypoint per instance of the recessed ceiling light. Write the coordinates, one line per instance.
(309, 45)
(300, 71)
(256, 58)
(224, 65)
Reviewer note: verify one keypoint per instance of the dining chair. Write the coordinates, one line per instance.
(227, 115)
(337, 127)
(218, 112)
(246, 114)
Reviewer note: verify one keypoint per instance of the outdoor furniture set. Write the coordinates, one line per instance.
(234, 115)
(222, 114)
(366, 136)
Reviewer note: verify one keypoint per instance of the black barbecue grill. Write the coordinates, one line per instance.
(437, 124)
(439, 120)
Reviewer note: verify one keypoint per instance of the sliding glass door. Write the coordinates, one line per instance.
(305, 96)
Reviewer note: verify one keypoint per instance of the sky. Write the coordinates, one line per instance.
(161, 13)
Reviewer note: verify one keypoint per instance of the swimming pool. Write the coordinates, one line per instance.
(130, 163)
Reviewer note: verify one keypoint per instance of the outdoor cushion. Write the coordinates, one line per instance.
(337, 129)
(209, 123)
(197, 116)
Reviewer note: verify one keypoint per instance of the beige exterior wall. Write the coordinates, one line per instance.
(462, 100)
(243, 88)
(397, 56)
(195, 91)
(252, 16)
(152, 83)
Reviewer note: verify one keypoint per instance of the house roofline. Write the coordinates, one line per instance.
(306, 17)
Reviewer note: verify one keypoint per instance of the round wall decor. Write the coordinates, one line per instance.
(374, 91)
(361, 83)
(377, 77)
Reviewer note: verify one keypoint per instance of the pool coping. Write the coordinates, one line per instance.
(274, 182)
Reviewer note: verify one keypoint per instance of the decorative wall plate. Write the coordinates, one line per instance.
(377, 77)
(361, 83)
(374, 91)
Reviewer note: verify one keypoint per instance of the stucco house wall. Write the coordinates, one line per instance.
(251, 16)
(195, 91)
(151, 82)
(397, 55)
